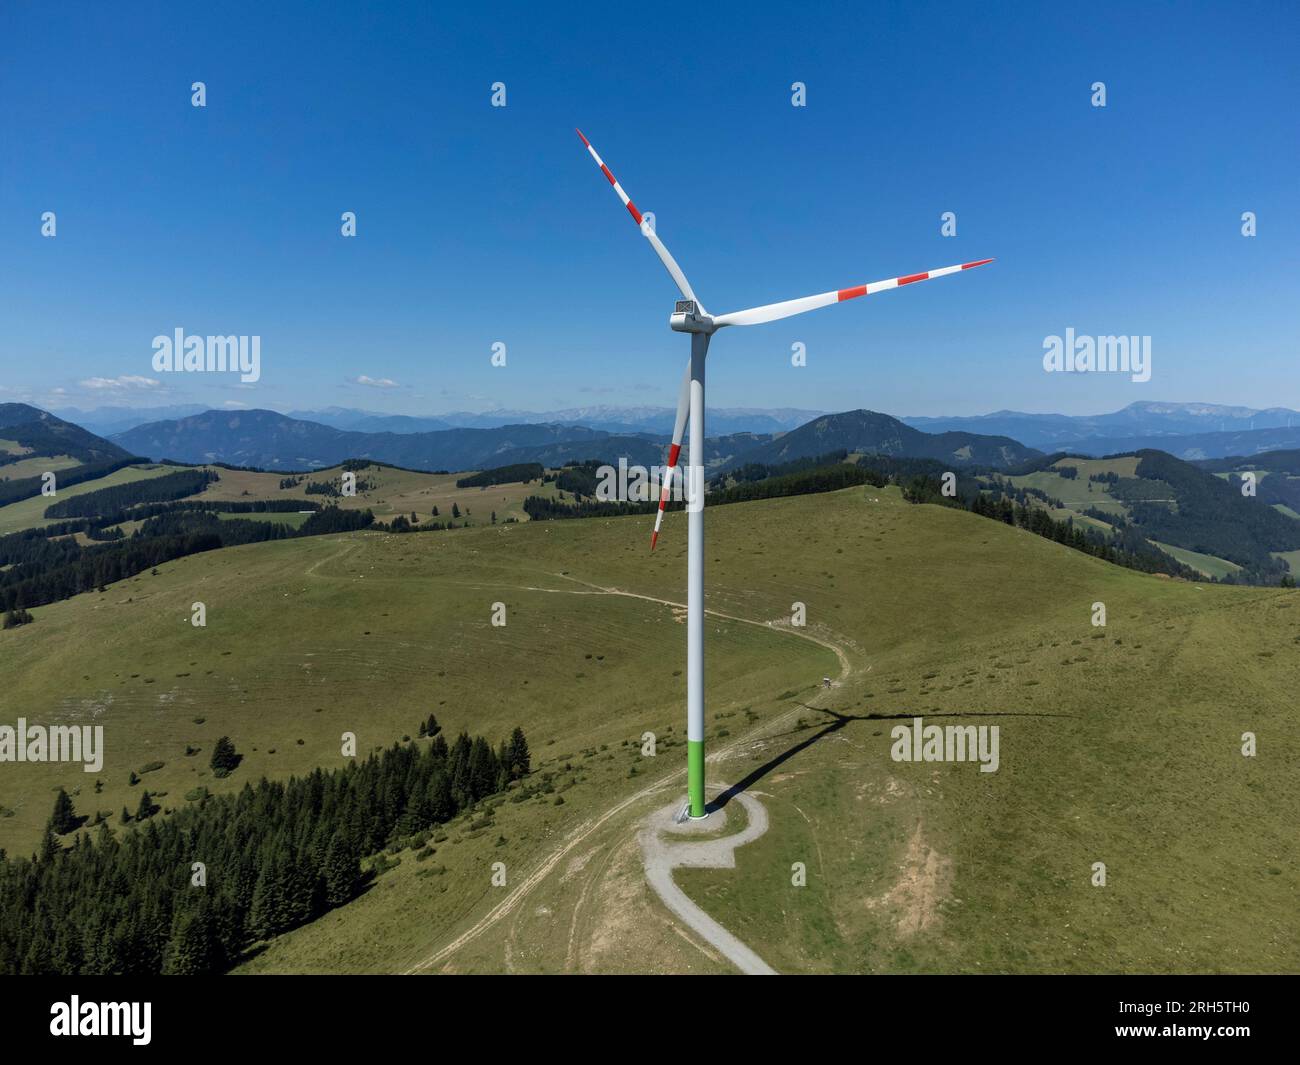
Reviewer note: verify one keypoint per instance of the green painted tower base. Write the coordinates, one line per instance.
(695, 777)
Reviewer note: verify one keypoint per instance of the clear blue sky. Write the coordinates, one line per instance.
(480, 224)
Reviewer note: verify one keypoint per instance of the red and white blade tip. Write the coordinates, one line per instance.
(907, 279)
(609, 176)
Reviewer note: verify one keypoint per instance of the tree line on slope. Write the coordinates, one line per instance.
(46, 567)
(1185, 505)
(275, 856)
(758, 481)
(21, 488)
(518, 473)
(1277, 474)
(1215, 518)
(1126, 547)
(761, 471)
(1128, 544)
(169, 486)
(921, 481)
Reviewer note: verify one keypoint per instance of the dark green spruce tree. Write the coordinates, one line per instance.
(224, 757)
(64, 819)
(520, 760)
(146, 808)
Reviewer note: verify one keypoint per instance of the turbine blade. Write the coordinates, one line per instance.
(679, 427)
(647, 231)
(773, 312)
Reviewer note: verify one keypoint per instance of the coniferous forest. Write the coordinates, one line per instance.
(274, 856)
(170, 486)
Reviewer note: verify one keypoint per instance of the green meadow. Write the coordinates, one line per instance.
(1118, 744)
(294, 519)
(35, 466)
(1209, 565)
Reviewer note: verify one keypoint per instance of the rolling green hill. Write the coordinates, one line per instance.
(1119, 744)
(1277, 477)
(31, 432)
(870, 433)
(1216, 528)
(35, 444)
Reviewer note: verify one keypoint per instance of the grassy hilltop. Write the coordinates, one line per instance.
(1119, 745)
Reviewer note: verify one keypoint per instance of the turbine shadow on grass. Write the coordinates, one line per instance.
(841, 721)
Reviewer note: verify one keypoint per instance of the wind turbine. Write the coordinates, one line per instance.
(689, 316)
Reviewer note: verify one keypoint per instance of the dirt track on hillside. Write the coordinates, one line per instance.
(584, 831)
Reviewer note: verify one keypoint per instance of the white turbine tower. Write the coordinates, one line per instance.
(689, 316)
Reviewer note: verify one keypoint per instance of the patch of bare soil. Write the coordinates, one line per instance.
(892, 790)
(923, 882)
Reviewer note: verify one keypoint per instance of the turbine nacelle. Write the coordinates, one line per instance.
(689, 317)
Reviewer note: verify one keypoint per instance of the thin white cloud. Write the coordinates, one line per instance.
(374, 382)
(122, 383)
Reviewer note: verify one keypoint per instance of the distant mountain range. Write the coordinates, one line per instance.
(620, 420)
(1194, 446)
(275, 441)
(1138, 425)
(109, 421)
(272, 440)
